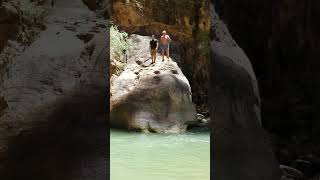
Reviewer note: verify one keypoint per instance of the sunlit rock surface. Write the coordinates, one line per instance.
(151, 97)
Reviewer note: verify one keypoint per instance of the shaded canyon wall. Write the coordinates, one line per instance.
(282, 40)
(242, 150)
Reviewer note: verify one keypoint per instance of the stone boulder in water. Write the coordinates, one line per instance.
(151, 97)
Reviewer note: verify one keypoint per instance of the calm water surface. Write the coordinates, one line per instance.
(137, 156)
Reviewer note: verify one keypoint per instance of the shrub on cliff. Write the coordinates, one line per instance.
(32, 17)
(118, 43)
(119, 47)
(27, 17)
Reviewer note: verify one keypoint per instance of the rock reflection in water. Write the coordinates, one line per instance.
(80, 152)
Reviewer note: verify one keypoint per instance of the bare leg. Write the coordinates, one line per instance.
(153, 56)
(162, 53)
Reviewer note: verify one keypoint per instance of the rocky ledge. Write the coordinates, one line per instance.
(151, 97)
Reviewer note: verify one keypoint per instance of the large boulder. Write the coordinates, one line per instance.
(151, 97)
(241, 150)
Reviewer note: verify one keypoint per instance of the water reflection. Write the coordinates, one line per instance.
(79, 152)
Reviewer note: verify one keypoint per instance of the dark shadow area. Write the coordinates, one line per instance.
(74, 144)
(281, 39)
(54, 113)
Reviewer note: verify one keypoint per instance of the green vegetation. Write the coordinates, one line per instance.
(31, 22)
(119, 47)
(118, 43)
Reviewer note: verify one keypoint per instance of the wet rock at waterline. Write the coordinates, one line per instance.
(151, 97)
(242, 150)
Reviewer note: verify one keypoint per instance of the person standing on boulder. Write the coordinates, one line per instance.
(153, 49)
(164, 44)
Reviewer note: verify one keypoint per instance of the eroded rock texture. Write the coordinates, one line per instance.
(241, 149)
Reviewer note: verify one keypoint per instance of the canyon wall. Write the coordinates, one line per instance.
(282, 40)
(241, 148)
(53, 97)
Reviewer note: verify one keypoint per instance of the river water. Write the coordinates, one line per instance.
(138, 156)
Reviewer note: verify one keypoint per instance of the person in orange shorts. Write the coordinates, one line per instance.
(153, 49)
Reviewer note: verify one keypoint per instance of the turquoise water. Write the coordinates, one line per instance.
(138, 156)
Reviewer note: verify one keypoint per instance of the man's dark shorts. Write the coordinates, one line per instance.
(164, 48)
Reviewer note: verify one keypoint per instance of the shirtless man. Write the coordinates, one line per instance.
(164, 44)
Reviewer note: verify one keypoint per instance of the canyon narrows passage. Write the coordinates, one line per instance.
(162, 107)
(54, 93)
(155, 98)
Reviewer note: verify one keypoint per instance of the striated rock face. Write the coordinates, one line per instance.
(241, 149)
(151, 97)
(186, 21)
